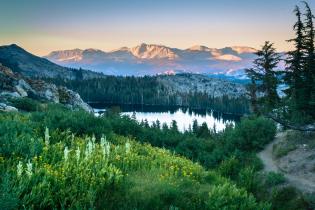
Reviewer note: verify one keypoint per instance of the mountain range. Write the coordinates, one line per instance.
(151, 59)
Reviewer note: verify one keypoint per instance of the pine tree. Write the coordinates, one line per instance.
(252, 91)
(295, 65)
(264, 77)
(309, 71)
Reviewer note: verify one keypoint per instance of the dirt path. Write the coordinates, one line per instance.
(270, 164)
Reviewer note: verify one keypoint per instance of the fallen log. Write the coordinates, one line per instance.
(285, 124)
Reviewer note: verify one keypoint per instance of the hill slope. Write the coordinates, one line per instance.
(29, 65)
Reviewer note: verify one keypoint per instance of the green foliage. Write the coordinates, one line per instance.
(248, 178)
(17, 136)
(80, 173)
(274, 179)
(79, 122)
(148, 176)
(26, 104)
(253, 134)
(230, 168)
(287, 198)
(228, 197)
(264, 78)
(300, 65)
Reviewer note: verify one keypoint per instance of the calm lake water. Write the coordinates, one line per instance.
(183, 116)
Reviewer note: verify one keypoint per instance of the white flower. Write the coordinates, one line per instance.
(106, 149)
(77, 153)
(127, 147)
(66, 153)
(105, 146)
(47, 137)
(103, 141)
(93, 141)
(72, 138)
(89, 149)
(19, 169)
(29, 168)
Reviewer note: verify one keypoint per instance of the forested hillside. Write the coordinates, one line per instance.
(194, 91)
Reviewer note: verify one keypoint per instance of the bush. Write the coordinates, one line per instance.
(17, 137)
(78, 122)
(252, 134)
(26, 104)
(228, 197)
(230, 168)
(287, 199)
(273, 179)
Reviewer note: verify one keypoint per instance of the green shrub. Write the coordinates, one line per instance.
(78, 122)
(287, 199)
(26, 104)
(273, 179)
(230, 168)
(228, 197)
(249, 179)
(252, 134)
(17, 137)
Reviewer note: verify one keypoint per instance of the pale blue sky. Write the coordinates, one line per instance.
(41, 26)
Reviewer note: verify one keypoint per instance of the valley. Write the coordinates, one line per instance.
(88, 124)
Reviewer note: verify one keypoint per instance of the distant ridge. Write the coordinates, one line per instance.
(29, 65)
(150, 59)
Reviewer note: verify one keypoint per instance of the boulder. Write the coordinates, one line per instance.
(73, 99)
(8, 94)
(6, 108)
(21, 91)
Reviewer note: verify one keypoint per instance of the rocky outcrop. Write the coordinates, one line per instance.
(6, 108)
(13, 85)
(214, 87)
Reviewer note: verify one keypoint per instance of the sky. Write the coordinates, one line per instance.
(42, 26)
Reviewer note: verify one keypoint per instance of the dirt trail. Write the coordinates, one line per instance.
(270, 164)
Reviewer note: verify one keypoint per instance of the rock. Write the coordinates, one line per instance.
(2, 105)
(6, 108)
(11, 109)
(8, 94)
(21, 91)
(73, 99)
(15, 86)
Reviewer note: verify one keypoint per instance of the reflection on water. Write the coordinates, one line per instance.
(183, 116)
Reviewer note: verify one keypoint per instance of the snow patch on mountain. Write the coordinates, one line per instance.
(150, 59)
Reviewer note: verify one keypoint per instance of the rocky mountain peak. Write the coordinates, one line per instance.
(199, 48)
(151, 51)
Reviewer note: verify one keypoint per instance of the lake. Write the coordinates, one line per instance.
(183, 116)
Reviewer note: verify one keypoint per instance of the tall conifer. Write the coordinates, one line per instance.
(309, 71)
(264, 75)
(295, 65)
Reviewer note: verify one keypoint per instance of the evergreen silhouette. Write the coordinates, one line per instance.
(264, 77)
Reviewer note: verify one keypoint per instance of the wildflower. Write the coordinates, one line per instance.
(89, 149)
(128, 147)
(107, 148)
(93, 141)
(47, 137)
(19, 169)
(29, 168)
(66, 153)
(103, 141)
(72, 138)
(77, 153)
